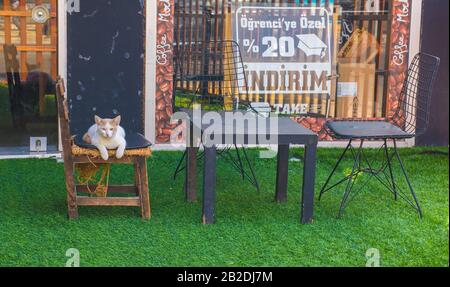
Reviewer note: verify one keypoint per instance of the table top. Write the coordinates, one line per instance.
(245, 127)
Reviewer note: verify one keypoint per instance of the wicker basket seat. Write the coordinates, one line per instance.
(137, 145)
(92, 152)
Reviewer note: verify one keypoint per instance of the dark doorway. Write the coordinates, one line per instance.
(435, 23)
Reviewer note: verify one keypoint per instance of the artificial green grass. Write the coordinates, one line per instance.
(251, 229)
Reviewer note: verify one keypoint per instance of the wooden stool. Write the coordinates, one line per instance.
(75, 152)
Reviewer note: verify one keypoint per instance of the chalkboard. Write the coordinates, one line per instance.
(105, 68)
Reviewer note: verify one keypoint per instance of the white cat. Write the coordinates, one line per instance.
(107, 134)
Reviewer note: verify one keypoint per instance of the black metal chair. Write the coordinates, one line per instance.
(410, 120)
(216, 76)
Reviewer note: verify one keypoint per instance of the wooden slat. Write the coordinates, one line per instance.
(378, 60)
(39, 35)
(54, 40)
(66, 143)
(33, 48)
(7, 25)
(23, 40)
(39, 62)
(15, 13)
(6, 5)
(85, 159)
(111, 188)
(108, 201)
(390, 5)
(188, 37)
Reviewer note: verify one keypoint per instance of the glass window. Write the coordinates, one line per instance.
(361, 58)
(28, 67)
(360, 32)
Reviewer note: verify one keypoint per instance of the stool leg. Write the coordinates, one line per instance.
(72, 207)
(137, 181)
(143, 192)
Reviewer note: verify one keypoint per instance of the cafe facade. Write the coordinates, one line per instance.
(352, 68)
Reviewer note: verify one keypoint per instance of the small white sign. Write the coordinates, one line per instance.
(38, 144)
(347, 89)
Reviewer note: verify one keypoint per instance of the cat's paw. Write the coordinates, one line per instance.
(104, 154)
(119, 153)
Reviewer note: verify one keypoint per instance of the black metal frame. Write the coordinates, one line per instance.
(215, 66)
(236, 161)
(362, 164)
(292, 134)
(414, 97)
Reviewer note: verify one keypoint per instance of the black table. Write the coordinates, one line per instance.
(241, 133)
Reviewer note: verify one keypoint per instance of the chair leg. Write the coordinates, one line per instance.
(389, 165)
(419, 210)
(323, 190)
(137, 181)
(177, 170)
(72, 207)
(356, 164)
(143, 191)
(255, 180)
(238, 164)
(241, 167)
(190, 180)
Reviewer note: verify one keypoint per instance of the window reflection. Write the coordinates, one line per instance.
(28, 62)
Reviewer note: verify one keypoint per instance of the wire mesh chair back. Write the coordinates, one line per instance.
(413, 111)
(215, 73)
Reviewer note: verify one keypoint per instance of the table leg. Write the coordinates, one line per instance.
(191, 174)
(309, 173)
(209, 182)
(282, 173)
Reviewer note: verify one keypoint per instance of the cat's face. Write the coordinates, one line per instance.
(107, 127)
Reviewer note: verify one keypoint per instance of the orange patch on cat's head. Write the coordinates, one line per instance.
(101, 122)
(107, 127)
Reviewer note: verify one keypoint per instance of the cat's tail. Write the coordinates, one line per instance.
(87, 138)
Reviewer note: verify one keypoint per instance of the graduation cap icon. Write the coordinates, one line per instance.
(311, 45)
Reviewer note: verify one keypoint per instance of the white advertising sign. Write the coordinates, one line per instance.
(285, 50)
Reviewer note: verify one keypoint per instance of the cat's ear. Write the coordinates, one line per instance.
(97, 119)
(116, 120)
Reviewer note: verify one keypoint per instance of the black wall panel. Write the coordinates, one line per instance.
(435, 24)
(106, 63)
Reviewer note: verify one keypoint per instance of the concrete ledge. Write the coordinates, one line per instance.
(181, 147)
